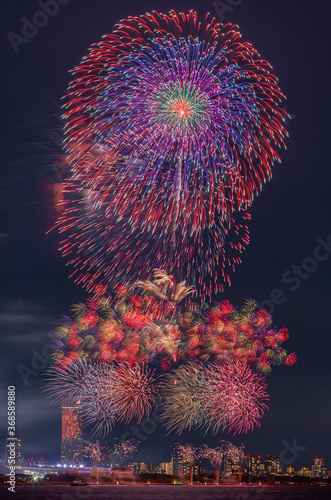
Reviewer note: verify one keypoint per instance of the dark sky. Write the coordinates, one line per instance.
(289, 216)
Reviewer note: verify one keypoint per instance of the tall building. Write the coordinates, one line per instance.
(145, 468)
(319, 469)
(305, 471)
(72, 438)
(290, 471)
(167, 468)
(252, 465)
(134, 467)
(141, 468)
(262, 468)
(230, 466)
(180, 467)
(272, 465)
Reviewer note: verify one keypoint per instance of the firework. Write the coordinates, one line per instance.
(236, 397)
(102, 355)
(165, 288)
(185, 392)
(148, 329)
(216, 455)
(186, 452)
(93, 451)
(136, 392)
(124, 449)
(172, 126)
(218, 396)
(68, 386)
(221, 395)
(236, 453)
(93, 385)
(99, 404)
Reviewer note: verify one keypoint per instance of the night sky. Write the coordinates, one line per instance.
(290, 218)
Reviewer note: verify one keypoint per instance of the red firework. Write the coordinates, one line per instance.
(237, 395)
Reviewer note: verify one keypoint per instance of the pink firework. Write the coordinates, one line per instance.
(237, 395)
(136, 392)
(93, 451)
(186, 452)
(216, 455)
(124, 449)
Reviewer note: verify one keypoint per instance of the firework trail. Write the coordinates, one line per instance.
(187, 453)
(172, 127)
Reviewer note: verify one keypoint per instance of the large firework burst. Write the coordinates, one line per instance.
(148, 329)
(68, 386)
(237, 396)
(136, 392)
(99, 403)
(172, 126)
(227, 396)
(185, 392)
(93, 385)
(102, 357)
(106, 392)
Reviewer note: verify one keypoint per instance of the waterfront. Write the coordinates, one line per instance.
(176, 492)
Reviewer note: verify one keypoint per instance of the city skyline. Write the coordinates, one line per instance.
(250, 463)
